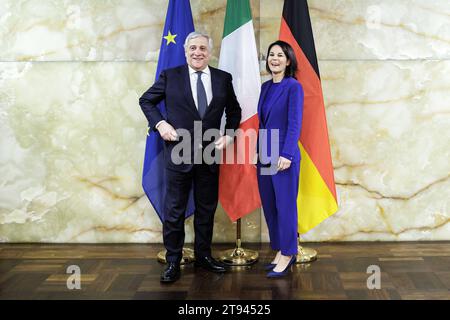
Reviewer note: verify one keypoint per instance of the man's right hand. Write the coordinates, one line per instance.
(167, 132)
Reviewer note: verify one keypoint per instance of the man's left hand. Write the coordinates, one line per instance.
(222, 142)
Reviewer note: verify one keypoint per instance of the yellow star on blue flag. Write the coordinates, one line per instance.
(170, 38)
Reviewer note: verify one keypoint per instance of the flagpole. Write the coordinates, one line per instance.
(305, 255)
(238, 256)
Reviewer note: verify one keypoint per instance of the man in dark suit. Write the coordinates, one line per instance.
(192, 92)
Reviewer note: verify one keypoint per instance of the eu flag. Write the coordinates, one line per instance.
(178, 25)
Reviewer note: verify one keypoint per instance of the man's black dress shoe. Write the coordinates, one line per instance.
(210, 264)
(172, 273)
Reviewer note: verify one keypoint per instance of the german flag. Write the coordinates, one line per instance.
(317, 199)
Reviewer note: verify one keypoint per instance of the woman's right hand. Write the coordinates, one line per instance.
(283, 164)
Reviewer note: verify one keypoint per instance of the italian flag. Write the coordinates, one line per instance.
(238, 186)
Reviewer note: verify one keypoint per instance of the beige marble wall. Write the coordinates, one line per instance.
(72, 134)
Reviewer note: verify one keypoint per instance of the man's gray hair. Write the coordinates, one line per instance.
(196, 34)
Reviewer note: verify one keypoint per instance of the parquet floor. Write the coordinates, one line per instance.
(408, 270)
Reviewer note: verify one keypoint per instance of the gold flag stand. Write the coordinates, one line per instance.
(238, 256)
(305, 255)
(188, 256)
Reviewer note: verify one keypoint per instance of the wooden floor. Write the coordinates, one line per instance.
(409, 270)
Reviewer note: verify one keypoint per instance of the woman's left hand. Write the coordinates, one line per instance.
(283, 164)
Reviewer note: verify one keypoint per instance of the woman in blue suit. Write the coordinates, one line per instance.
(280, 110)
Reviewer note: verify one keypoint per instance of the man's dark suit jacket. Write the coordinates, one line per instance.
(174, 87)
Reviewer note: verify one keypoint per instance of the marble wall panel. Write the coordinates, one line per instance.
(71, 154)
(388, 125)
(83, 30)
